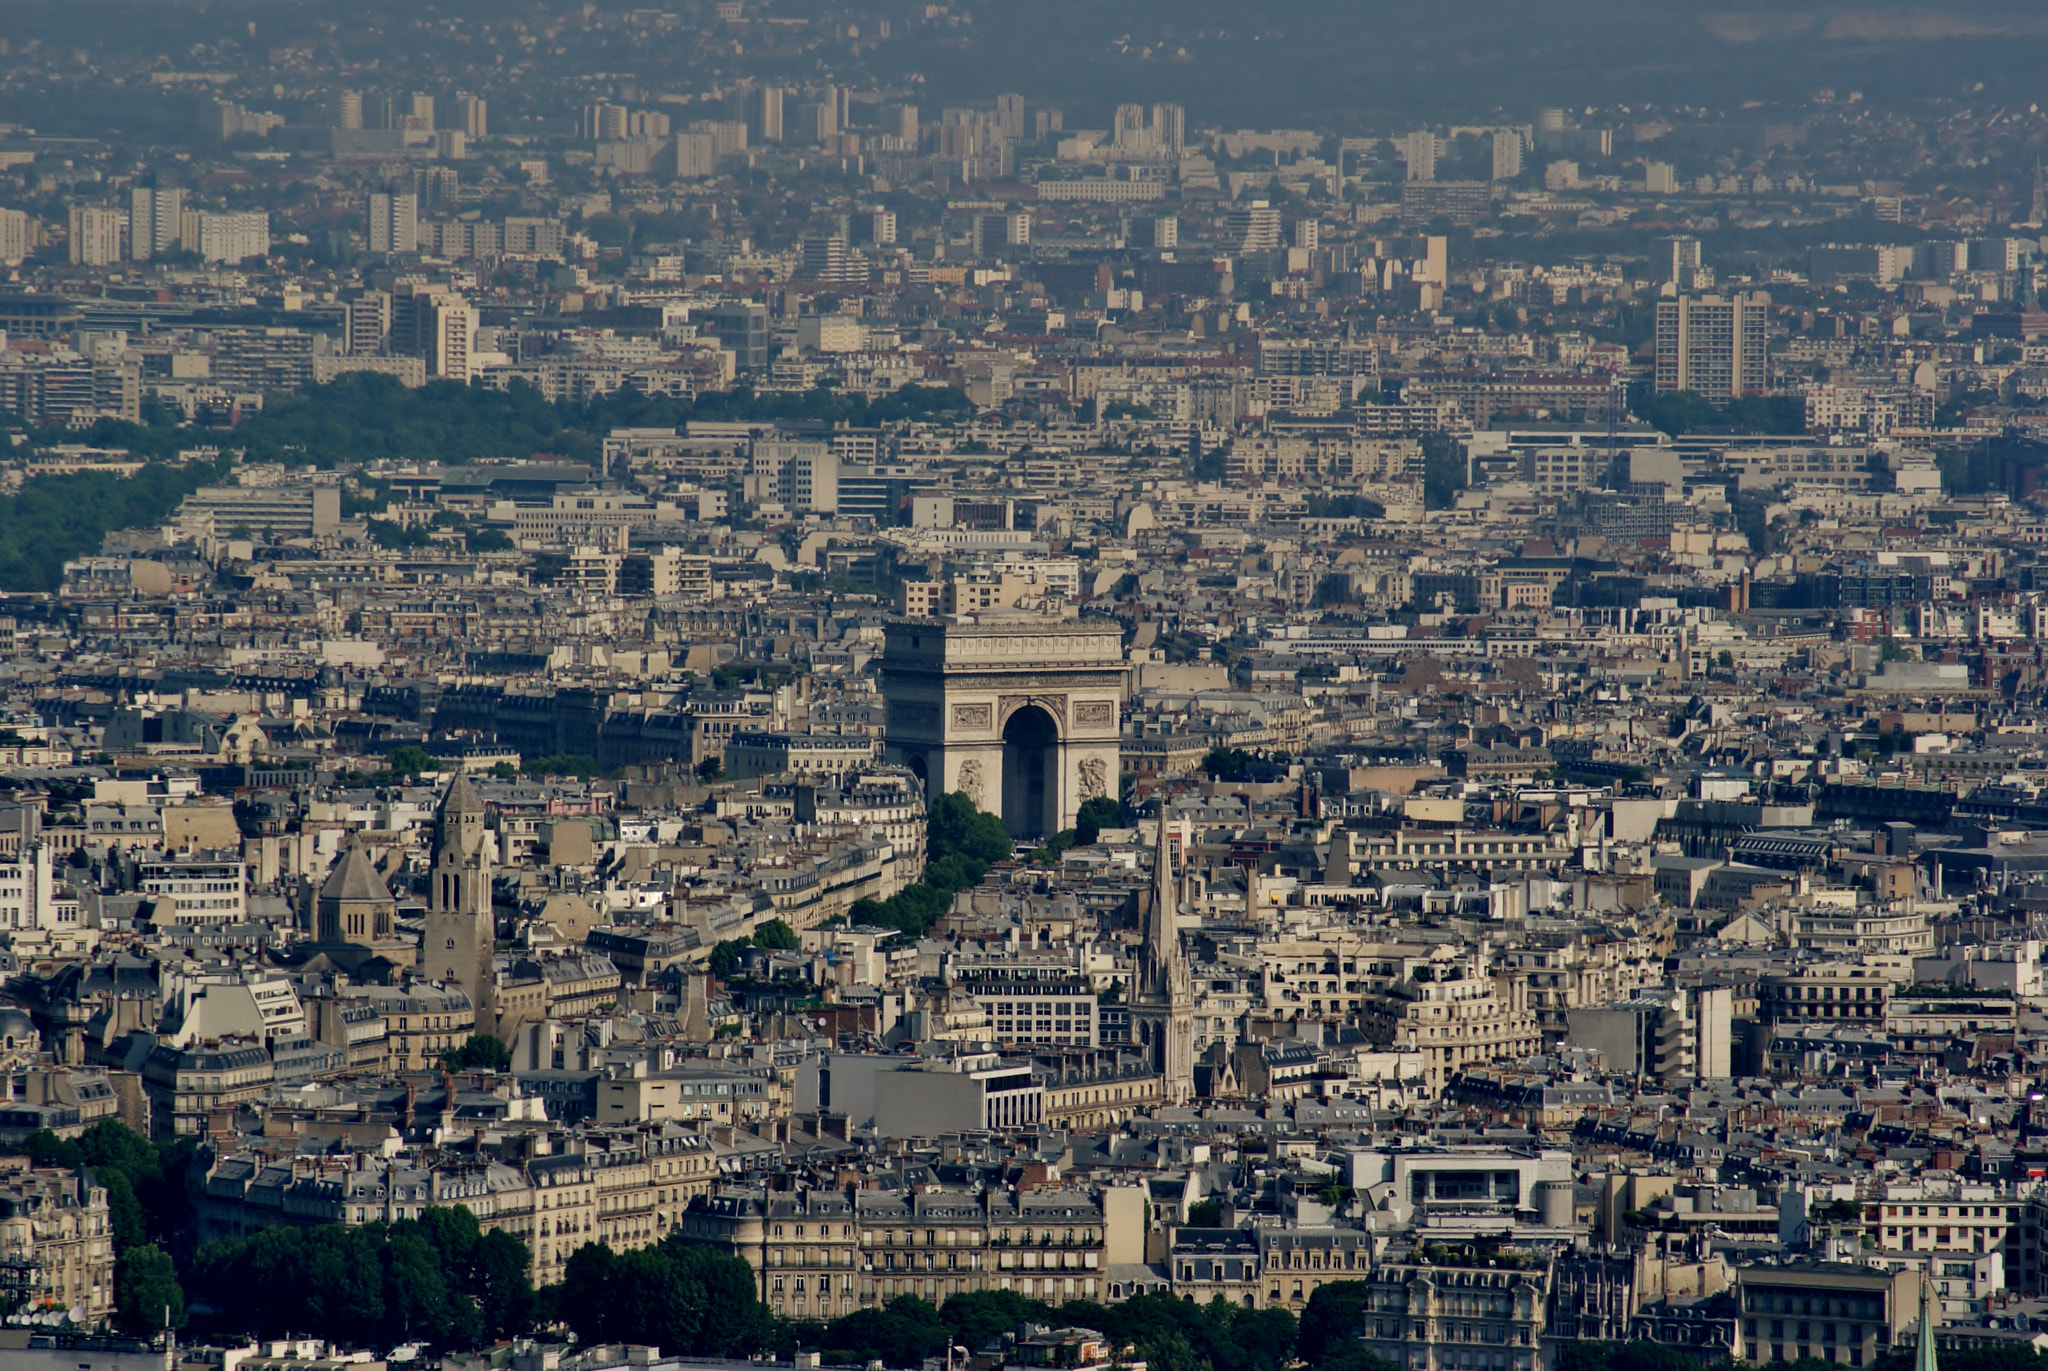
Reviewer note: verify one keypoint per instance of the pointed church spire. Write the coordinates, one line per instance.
(461, 797)
(1923, 1352)
(1168, 1000)
(1162, 933)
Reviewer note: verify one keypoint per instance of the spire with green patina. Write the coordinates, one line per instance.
(1923, 1354)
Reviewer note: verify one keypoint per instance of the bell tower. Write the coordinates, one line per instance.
(461, 931)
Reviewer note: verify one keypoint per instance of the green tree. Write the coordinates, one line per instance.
(144, 1181)
(1685, 411)
(710, 769)
(725, 956)
(393, 537)
(44, 1148)
(408, 761)
(735, 1324)
(1227, 764)
(127, 1224)
(902, 1333)
(53, 519)
(416, 1294)
(961, 843)
(1344, 507)
(1333, 1316)
(775, 936)
(1096, 815)
(1638, 1355)
(504, 1294)
(679, 1295)
(956, 827)
(435, 1278)
(576, 764)
(981, 1317)
(147, 1296)
(483, 1052)
(1205, 1214)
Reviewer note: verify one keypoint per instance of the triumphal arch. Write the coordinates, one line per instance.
(1020, 714)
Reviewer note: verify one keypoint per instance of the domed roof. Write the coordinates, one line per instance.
(16, 1024)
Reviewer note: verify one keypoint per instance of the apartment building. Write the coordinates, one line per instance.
(57, 1239)
(1033, 1004)
(1832, 1311)
(1711, 345)
(1295, 1262)
(584, 512)
(628, 1188)
(422, 1022)
(197, 889)
(823, 1256)
(1845, 995)
(1446, 1309)
(1453, 1012)
(1931, 1025)
(31, 899)
(187, 1085)
(96, 236)
(762, 753)
(1946, 1218)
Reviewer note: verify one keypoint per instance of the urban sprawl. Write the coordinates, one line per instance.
(727, 718)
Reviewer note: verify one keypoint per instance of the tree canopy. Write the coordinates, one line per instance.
(1094, 816)
(145, 1185)
(483, 1052)
(682, 1297)
(436, 1279)
(961, 844)
(54, 519)
(1684, 411)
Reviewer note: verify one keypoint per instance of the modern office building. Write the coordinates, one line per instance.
(294, 511)
(828, 261)
(1685, 270)
(767, 112)
(801, 476)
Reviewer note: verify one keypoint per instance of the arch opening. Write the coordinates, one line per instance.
(1031, 790)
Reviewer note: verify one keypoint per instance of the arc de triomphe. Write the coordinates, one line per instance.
(1021, 715)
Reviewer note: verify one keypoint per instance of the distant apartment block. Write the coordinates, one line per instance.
(96, 236)
(1711, 345)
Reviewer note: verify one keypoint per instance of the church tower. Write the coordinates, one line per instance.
(461, 932)
(1166, 999)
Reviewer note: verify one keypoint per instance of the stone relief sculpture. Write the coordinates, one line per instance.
(1094, 779)
(970, 780)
